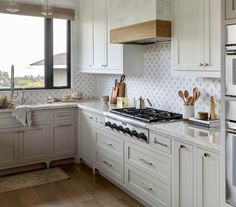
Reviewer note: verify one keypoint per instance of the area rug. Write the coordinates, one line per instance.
(30, 179)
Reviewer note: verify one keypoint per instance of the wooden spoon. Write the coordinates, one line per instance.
(190, 100)
(181, 95)
(186, 94)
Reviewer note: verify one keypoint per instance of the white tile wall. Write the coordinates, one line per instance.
(156, 83)
(159, 85)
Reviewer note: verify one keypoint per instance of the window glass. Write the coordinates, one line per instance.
(22, 44)
(60, 53)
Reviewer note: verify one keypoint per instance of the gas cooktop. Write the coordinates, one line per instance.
(148, 114)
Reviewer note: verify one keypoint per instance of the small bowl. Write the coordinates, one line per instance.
(203, 116)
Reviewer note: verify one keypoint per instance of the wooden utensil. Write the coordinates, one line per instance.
(121, 87)
(181, 95)
(190, 101)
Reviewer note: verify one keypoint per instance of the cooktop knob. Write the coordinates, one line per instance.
(127, 130)
(108, 124)
(114, 126)
(134, 133)
(143, 137)
(120, 128)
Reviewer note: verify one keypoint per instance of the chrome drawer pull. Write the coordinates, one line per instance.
(206, 155)
(107, 164)
(145, 187)
(65, 125)
(64, 115)
(156, 142)
(108, 144)
(144, 161)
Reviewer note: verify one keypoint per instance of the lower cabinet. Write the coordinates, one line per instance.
(9, 144)
(87, 146)
(192, 163)
(208, 178)
(62, 139)
(33, 144)
(183, 175)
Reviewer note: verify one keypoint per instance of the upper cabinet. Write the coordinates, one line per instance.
(230, 6)
(196, 42)
(96, 54)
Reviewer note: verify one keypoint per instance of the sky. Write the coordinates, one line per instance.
(22, 42)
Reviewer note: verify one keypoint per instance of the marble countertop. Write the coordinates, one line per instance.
(179, 130)
(190, 133)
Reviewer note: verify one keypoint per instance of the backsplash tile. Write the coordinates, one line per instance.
(159, 85)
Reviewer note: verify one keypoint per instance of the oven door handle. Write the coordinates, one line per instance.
(231, 131)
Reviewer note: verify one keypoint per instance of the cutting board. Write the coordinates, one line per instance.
(114, 95)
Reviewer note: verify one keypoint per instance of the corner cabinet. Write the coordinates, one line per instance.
(96, 54)
(196, 42)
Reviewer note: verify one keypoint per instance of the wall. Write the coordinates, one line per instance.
(159, 85)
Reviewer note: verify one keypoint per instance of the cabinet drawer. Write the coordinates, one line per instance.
(108, 142)
(149, 162)
(7, 120)
(62, 115)
(110, 166)
(39, 116)
(160, 142)
(153, 191)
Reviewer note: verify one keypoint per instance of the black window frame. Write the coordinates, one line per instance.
(48, 58)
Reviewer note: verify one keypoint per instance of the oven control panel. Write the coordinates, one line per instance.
(139, 133)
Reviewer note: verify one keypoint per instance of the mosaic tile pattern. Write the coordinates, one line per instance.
(160, 86)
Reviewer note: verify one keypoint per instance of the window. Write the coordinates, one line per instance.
(38, 48)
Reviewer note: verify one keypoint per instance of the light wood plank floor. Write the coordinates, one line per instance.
(82, 190)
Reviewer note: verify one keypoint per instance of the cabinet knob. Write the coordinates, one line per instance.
(201, 64)
(206, 155)
(182, 146)
(206, 64)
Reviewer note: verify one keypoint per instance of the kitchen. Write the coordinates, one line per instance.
(91, 151)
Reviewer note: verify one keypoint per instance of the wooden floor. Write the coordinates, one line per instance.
(82, 190)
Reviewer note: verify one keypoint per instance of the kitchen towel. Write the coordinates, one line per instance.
(23, 114)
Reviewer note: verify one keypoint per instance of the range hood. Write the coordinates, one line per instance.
(143, 33)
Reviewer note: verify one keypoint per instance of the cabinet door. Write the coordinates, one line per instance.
(62, 139)
(87, 148)
(9, 154)
(100, 34)
(230, 9)
(33, 144)
(187, 34)
(183, 175)
(86, 45)
(212, 35)
(208, 179)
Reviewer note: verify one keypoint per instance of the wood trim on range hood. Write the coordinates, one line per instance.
(142, 33)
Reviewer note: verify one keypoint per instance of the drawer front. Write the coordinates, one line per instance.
(160, 142)
(110, 166)
(7, 120)
(62, 114)
(39, 116)
(109, 142)
(154, 192)
(149, 162)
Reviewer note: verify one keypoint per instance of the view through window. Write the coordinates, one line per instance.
(22, 43)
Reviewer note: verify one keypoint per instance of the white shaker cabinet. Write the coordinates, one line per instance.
(87, 145)
(9, 147)
(33, 144)
(96, 54)
(86, 43)
(183, 175)
(196, 38)
(208, 178)
(62, 139)
(230, 7)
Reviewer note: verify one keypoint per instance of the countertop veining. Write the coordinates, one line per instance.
(179, 130)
